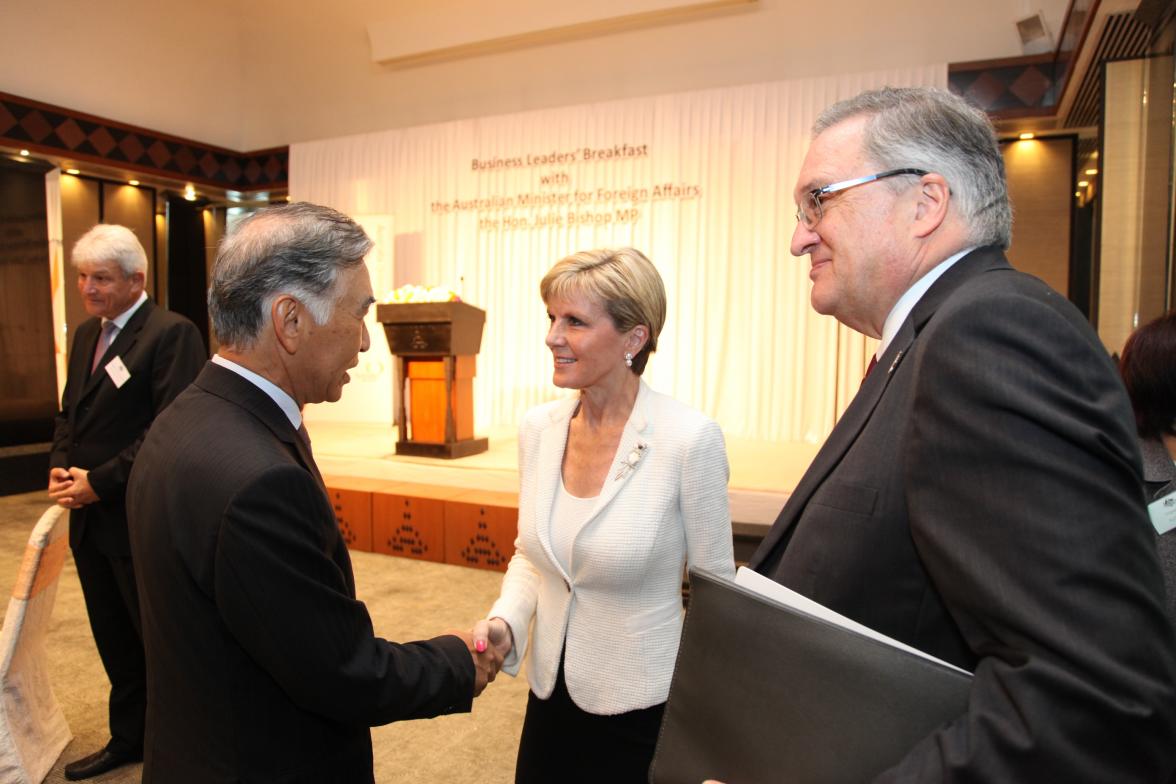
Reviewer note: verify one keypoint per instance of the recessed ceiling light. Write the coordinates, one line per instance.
(1025, 136)
(1091, 172)
(1082, 183)
(24, 153)
(132, 182)
(72, 171)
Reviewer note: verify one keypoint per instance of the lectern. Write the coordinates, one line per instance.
(436, 346)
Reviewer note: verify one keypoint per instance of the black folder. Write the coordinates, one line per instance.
(764, 693)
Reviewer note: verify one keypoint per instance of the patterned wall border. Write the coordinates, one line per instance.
(54, 130)
(1017, 87)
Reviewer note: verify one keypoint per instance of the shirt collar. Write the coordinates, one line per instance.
(121, 319)
(276, 393)
(906, 303)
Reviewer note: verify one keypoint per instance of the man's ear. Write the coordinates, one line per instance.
(934, 201)
(289, 321)
(138, 281)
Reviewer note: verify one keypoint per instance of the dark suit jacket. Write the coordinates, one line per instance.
(101, 426)
(980, 499)
(262, 665)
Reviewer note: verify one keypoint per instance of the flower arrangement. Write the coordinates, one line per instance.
(411, 292)
(630, 461)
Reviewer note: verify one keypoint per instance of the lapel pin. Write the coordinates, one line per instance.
(894, 364)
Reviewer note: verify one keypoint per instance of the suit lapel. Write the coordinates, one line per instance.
(307, 456)
(226, 384)
(80, 358)
(838, 443)
(862, 407)
(631, 450)
(123, 341)
(552, 443)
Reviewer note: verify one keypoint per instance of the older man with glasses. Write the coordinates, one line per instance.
(981, 497)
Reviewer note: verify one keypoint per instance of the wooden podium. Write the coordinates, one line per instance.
(436, 346)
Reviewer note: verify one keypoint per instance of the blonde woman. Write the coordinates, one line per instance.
(619, 488)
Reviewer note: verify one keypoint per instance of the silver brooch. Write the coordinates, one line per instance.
(629, 462)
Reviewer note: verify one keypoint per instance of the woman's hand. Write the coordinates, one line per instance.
(495, 632)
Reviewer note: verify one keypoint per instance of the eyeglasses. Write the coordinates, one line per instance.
(809, 211)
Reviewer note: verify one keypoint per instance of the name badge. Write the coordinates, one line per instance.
(1163, 513)
(118, 372)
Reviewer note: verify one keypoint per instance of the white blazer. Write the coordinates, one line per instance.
(619, 604)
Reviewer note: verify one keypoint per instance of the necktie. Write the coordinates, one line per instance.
(304, 437)
(870, 367)
(105, 338)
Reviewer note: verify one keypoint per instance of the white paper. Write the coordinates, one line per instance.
(118, 372)
(757, 583)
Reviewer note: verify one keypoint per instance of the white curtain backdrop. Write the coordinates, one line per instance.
(704, 189)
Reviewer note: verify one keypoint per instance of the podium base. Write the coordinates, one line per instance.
(450, 451)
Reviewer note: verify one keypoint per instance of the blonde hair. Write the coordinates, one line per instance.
(624, 281)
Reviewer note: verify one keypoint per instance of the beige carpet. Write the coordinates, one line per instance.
(407, 600)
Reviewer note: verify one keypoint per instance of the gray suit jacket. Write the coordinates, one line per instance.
(980, 499)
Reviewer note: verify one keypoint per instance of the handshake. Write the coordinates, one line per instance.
(489, 643)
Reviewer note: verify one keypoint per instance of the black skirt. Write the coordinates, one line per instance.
(564, 744)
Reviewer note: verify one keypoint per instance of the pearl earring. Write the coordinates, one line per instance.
(628, 359)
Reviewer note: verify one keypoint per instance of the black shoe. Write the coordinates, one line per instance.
(98, 763)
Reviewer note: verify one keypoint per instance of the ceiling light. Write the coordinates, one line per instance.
(24, 153)
(132, 182)
(72, 171)
(1091, 172)
(1082, 183)
(1025, 136)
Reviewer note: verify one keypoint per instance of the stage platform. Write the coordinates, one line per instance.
(362, 456)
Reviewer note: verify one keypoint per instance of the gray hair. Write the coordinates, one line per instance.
(111, 242)
(932, 129)
(296, 249)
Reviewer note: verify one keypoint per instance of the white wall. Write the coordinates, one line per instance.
(270, 72)
(167, 66)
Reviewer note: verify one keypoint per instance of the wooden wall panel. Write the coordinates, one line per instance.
(134, 207)
(480, 530)
(28, 389)
(408, 526)
(1040, 176)
(80, 209)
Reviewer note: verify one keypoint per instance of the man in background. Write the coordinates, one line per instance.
(263, 664)
(128, 361)
(980, 499)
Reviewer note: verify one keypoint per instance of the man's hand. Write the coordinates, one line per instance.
(71, 488)
(495, 633)
(487, 663)
(61, 488)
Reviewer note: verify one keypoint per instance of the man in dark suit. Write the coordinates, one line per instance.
(262, 664)
(980, 498)
(126, 364)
